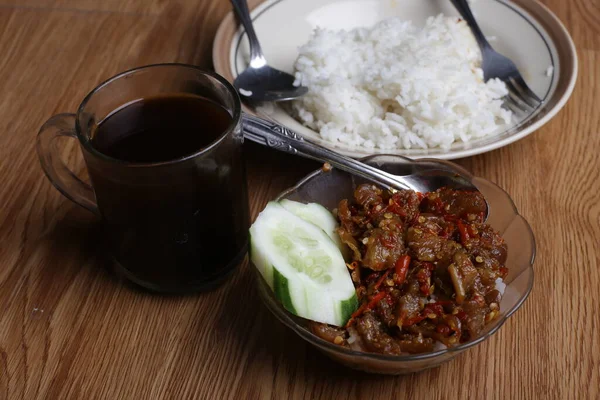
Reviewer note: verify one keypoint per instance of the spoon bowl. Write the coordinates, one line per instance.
(267, 84)
(259, 82)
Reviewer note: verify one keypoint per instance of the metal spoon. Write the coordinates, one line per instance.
(420, 175)
(259, 82)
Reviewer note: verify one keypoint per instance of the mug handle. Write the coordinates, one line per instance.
(61, 177)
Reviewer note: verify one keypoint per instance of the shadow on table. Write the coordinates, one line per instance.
(56, 251)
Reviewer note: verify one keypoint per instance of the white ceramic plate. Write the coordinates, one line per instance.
(524, 30)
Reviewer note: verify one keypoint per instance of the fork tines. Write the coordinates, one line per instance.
(520, 97)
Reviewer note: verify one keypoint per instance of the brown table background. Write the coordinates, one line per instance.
(69, 329)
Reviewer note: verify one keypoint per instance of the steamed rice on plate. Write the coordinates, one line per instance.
(396, 86)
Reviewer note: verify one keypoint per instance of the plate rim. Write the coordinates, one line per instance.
(229, 28)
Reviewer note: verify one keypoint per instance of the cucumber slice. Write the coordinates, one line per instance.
(303, 266)
(317, 215)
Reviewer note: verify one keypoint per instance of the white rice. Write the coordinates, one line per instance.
(437, 346)
(396, 86)
(500, 286)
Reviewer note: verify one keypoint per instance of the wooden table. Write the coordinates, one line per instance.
(69, 329)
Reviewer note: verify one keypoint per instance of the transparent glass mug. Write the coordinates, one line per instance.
(174, 226)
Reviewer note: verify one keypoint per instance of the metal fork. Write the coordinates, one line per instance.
(520, 97)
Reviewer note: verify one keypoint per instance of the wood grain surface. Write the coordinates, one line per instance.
(70, 330)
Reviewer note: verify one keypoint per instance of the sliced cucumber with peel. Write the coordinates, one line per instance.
(318, 215)
(303, 266)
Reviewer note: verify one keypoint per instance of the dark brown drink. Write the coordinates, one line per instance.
(161, 129)
(169, 228)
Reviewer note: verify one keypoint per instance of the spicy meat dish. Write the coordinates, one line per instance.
(426, 268)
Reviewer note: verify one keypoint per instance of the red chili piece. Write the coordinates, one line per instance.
(416, 218)
(376, 300)
(402, 265)
(366, 306)
(423, 277)
(373, 212)
(380, 281)
(356, 313)
(388, 241)
(451, 218)
(396, 209)
(439, 205)
(414, 320)
(429, 266)
(360, 310)
(464, 235)
(429, 309)
(436, 309)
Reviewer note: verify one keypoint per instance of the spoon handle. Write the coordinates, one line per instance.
(257, 59)
(281, 138)
(463, 8)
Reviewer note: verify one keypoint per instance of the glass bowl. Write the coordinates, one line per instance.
(329, 187)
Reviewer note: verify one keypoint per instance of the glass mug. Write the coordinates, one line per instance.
(172, 226)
